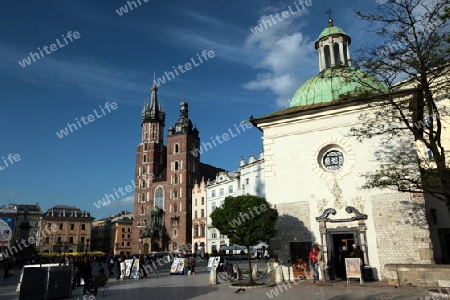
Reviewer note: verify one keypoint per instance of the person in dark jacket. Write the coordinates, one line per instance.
(86, 274)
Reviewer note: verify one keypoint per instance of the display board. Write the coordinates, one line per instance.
(132, 268)
(213, 261)
(301, 270)
(353, 269)
(177, 266)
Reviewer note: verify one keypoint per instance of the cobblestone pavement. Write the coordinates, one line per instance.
(176, 287)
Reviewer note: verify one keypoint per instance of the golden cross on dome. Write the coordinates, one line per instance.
(330, 20)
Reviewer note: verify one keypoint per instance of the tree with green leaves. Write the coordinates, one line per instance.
(245, 220)
(415, 51)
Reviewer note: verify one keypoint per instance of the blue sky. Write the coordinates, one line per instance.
(113, 61)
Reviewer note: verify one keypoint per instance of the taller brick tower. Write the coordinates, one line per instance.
(164, 180)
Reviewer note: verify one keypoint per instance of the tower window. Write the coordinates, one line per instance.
(337, 57)
(327, 54)
(159, 197)
(175, 179)
(153, 131)
(176, 148)
(145, 146)
(143, 197)
(145, 158)
(176, 166)
(345, 55)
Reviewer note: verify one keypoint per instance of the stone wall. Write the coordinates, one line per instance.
(292, 226)
(402, 233)
(418, 275)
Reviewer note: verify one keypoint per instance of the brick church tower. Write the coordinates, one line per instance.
(164, 180)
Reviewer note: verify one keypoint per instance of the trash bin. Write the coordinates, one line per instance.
(33, 285)
(46, 283)
(59, 282)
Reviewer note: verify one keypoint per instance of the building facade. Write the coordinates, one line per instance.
(121, 233)
(65, 229)
(248, 179)
(313, 173)
(32, 214)
(165, 176)
(224, 185)
(199, 217)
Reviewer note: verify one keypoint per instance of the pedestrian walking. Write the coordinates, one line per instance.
(192, 265)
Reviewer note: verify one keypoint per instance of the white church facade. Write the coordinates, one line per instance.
(313, 177)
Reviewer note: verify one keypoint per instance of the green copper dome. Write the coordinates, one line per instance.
(330, 30)
(333, 83)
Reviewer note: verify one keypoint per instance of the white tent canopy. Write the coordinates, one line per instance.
(232, 248)
(260, 245)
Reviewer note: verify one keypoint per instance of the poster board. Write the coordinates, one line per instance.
(177, 266)
(301, 270)
(132, 268)
(213, 261)
(353, 269)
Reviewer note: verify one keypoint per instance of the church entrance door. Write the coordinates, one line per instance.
(337, 238)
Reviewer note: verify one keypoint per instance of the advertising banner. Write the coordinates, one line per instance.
(132, 268)
(6, 229)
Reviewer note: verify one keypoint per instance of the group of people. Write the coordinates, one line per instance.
(84, 271)
(317, 260)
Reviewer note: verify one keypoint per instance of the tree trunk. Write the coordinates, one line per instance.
(250, 277)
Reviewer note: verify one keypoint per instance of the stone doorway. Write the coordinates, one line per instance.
(336, 239)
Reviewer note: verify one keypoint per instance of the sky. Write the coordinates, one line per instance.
(101, 76)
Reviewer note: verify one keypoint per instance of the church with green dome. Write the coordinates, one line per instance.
(337, 79)
(313, 178)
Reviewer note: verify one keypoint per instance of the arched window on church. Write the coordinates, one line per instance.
(175, 208)
(176, 166)
(145, 158)
(175, 194)
(159, 197)
(144, 170)
(337, 57)
(145, 222)
(176, 148)
(143, 184)
(142, 210)
(175, 179)
(327, 54)
(153, 131)
(143, 198)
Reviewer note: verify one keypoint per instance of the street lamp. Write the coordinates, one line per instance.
(87, 245)
(64, 245)
(140, 245)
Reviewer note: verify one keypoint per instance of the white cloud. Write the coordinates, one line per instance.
(288, 56)
(127, 201)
